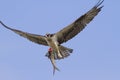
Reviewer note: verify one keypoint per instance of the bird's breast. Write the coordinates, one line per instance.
(52, 42)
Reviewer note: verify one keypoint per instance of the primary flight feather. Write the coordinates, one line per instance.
(55, 40)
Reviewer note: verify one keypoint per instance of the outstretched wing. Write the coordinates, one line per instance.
(73, 29)
(32, 37)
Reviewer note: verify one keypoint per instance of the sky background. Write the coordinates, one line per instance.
(96, 53)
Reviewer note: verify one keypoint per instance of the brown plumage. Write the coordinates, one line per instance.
(32, 37)
(67, 33)
(77, 26)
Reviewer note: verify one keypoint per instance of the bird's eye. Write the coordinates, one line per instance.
(47, 35)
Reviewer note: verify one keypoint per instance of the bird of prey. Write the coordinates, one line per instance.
(56, 39)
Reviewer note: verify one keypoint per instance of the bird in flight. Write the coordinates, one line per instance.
(54, 41)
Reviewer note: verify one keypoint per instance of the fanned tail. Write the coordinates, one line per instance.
(64, 51)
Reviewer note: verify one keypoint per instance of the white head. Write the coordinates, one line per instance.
(49, 35)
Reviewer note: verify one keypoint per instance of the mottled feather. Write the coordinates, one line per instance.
(32, 37)
(77, 26)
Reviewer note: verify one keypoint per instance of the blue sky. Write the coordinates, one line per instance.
(96, 53)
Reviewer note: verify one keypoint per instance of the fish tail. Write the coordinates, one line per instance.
(55, 68)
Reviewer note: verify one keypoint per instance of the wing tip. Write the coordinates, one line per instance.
(99, 3)
(5, 25)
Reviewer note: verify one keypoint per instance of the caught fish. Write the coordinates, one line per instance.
(52, 56)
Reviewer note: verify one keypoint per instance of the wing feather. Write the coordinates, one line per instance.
(39, 39)
(77, 26)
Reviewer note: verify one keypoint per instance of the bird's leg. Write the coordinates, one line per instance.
(58, 51)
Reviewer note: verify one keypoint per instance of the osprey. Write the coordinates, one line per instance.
(55, 40)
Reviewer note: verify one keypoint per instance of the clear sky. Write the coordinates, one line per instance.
(96, 53)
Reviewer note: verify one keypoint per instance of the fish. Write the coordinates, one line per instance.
(52, 56)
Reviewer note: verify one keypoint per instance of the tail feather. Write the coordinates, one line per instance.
(65, 52)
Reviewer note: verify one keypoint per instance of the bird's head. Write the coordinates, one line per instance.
(48, 35)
